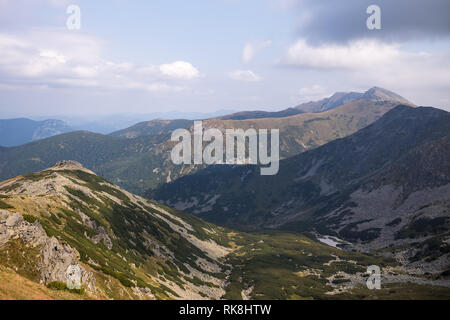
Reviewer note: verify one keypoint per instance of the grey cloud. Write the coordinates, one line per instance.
(402, 20)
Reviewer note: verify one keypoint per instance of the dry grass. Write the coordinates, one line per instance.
(16, 287)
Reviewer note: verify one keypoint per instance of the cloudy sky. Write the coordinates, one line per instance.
(204, 55)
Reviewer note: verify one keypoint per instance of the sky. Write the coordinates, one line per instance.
(145, 56)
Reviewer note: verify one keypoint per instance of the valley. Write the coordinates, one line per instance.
(383, 188)
(363, 181)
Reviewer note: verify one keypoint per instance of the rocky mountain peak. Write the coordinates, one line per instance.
(380, 94)
(69, 165)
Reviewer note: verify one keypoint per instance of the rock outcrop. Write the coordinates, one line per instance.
(55, 257)
(70, 165)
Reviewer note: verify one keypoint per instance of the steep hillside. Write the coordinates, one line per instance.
(387, 184)
(72, 216)
(131, 163)
(153, 127)
(128, 247)
(310, 130)
(336, 100)
(14, 132)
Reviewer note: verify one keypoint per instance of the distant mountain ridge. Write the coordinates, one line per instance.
(142, 161)
(109, 123)
(151, 128)
(336, 100)
(14, 132)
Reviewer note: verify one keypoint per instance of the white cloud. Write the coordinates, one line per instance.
(244, 75)
(180, 70)
(365, 63)
(45, 58)
(247, 53)
(355, 55)
(251, 49)
(312, 93)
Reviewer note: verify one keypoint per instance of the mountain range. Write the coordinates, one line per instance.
(384, 186)
(364, 180)
(138, 158)
(14, 132)
(336, 100)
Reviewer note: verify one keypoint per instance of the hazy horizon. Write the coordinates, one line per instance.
(169, 114)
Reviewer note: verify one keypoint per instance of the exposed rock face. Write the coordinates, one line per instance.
(143, 293)
(70, 165)
(56, 260)
(55, 257)
(102, 234)
(13, 226)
